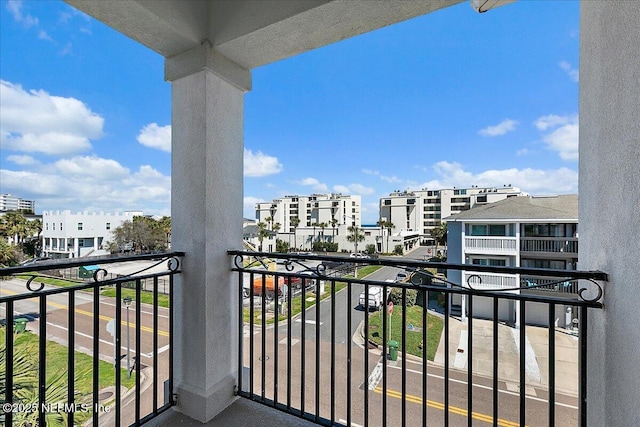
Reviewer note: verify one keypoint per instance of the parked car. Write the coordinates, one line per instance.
(306, 282)
(401, 277)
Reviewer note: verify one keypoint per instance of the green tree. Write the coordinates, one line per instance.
(389, 226)
(397, 250)
(295, 222)
(269, 220)
(14, 225)
(439, 234)
(370, 249)
(8, 256)
(165, 225)
(262, 233)
(333, 223)
(354, 235)
(143, 234)
(282, 246)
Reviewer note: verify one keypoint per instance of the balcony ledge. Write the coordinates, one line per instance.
(241, 413)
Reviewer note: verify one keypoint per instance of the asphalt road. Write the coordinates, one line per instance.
(295, 374)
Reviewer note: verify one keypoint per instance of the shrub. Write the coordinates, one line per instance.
(396, 297)
(397, 250)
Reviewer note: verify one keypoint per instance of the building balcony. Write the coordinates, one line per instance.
(549, 246)
(491, 245)
(308, 354)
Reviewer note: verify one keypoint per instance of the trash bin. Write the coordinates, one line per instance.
(393, 349)
(20, 325)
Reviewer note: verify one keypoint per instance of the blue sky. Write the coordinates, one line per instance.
(453, 98)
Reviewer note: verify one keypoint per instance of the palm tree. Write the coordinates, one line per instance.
(314, 225)
(439, 234)
(262, 233)
(269, 220)
(276, 227)
(14, 225)
(322, 225)
(333, 223)
(354, 236)
(389, 226)
(295, 222)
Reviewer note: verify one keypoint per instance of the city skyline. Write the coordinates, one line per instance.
(84, 127)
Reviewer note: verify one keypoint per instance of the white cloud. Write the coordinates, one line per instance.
(258, 164)
(15, 8)
(390, 179)
(85, 183)
(341, 189)
(249, 204)
(312, 182)
(505, 126)
(35, 121)
(155, 136)
(353, 189)
(92, 167)
(545, 122)
(573, 73)
(562, 134)
(533, 181)
(22, 160)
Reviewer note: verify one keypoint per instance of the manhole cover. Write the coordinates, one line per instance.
(105, 395)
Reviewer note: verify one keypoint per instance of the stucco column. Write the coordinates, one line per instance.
(206, 211)
(609, 204)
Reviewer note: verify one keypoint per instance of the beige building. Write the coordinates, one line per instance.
(422, 210)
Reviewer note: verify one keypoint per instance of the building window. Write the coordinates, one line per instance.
(79, 226)
(46, 226)
(490, 261)
(387, 202)
(108, 226)
(488, 230)
(60, 226)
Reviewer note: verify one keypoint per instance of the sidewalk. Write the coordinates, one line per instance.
(536, 355)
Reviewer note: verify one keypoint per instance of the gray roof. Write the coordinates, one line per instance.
(523, 208)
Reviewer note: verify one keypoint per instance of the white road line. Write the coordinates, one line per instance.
(309, 322)
(148, 355)
(484, 387)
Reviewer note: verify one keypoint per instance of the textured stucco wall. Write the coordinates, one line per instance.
(609, 210)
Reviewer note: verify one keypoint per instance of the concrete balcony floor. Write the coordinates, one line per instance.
(241, 413)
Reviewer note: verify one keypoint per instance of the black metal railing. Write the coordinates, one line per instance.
(66, 343)
(309, 349)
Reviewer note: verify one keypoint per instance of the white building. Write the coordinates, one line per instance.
(9, 202)
(422, 210)
(532, 232)
(68, 235)
(323, 217)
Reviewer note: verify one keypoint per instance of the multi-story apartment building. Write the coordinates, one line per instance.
(336, 212)
(315, 208)
(538, 232)
(9, 202)
(69, 235)
(421, 211)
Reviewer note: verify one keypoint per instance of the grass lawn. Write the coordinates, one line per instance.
(413, 337)
(26, 345)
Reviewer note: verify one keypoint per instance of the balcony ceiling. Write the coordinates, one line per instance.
(250, 32)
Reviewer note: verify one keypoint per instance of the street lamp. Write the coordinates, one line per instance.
(127, 303)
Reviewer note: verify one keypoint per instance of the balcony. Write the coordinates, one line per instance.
(491, 245)
(549, 246)
(332, 363)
